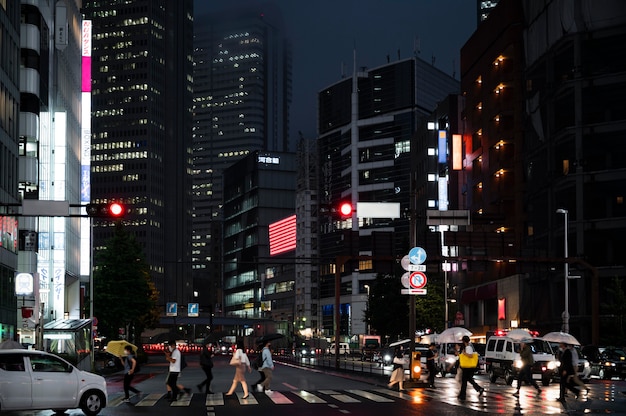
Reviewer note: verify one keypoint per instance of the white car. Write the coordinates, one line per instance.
(37, 380)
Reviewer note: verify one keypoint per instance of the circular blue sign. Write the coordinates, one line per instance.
(417, 255)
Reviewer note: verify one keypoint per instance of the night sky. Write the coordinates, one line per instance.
(324, 34)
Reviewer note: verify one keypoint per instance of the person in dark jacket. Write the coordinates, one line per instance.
(525, 373)
(566, 371)
(431, 363)
(206, 362)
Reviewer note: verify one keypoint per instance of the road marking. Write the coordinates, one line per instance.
(370, 396)
(215, 399)
(185, 400)
(149, 400)
(278, 398)
(308, 397)
(248, 400)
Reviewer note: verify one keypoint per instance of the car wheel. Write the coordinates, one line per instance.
(92, 402)
(492, 376)
(602, 374)
(508, 377)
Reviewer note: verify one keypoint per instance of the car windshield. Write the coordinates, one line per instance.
(618, 355)
(540, 346)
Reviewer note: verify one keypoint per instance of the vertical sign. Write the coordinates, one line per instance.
(457, 152)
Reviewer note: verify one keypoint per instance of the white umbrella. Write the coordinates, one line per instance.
(519, 334)
(559, 337)
(395, 344)
(452, 335)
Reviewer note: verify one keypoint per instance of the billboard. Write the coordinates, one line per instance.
(283, 235)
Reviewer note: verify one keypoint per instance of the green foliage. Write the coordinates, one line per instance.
(388, 310)
(430, 308)
(124, 295)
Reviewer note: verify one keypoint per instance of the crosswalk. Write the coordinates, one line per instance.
(377, 395)
(497, 398)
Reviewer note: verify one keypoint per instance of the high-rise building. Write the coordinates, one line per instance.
(258, 263)
(9, 143)
(366, 125)
(142, 71)
(484, 8)
(242, 97)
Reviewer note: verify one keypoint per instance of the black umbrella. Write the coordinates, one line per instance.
(269, 337)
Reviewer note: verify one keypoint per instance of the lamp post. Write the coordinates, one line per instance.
(367, 287)
(566, 271)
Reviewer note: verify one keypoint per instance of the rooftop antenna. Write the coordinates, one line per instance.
(416, 46)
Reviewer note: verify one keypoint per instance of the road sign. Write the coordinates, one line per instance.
(412, 291)
(417, 255)
(171, 309)
(405, 262)
(405, 280)
(193, 309)
(417, 280)
(416, 268)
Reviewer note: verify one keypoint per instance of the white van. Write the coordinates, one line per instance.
(344, 348)
(37, 380)
(502, 359)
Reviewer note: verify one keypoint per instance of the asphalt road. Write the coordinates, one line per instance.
(315, 392)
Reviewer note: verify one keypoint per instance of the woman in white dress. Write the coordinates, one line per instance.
(241, 363)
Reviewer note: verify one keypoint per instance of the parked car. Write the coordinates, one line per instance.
(305, 351)
(37, 380)
(344, 348)
(609, 362)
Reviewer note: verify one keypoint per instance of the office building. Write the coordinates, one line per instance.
(366, 125)
(141, 153)
(242, 97)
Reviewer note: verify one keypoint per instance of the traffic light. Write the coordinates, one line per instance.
(345, 209)
(416, 365)
(111, 210)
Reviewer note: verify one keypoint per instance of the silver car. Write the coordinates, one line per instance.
(37, 380)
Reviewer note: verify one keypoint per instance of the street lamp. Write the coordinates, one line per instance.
(566, 272)
(367, 287)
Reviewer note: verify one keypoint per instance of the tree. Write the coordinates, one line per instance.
(124, 295)
(430, 308)
(615, 307)
(388, 309)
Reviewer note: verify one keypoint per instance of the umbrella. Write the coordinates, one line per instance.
(403, 341)
(117, 347)
(559, 337)
(9, 344)
(452, 335)
(519, 334)
(269, 337)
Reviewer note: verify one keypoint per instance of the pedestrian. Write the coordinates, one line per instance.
(431, 359)
(566, 370)
(525, 373)
(397, 374)
(575, 378)
(257, 386)
(267, 368)
(468, 361)
(173, 356)
(130, 366)
(242, 364)
(206, 362)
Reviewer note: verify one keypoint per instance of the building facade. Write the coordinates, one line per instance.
(258, 192)
(9, 154)
(366, 124)
(242, 99)
(141, 153)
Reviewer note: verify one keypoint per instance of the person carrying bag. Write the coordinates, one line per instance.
(397, 375)
(468, 361)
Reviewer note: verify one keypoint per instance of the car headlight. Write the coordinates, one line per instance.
(387, 357)
(518, 364)
(609, 364)
(586, 364)
(553, 365)
(450, 360)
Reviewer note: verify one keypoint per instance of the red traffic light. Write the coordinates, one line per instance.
(108, 210)
(116, 209)
(345, 209)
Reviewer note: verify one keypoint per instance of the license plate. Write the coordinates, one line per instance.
(536, 376)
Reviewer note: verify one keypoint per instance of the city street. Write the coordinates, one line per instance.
(310, 391)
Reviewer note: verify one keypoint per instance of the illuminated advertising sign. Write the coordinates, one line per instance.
(283, 235)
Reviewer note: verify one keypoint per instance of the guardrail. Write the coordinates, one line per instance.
(349, 363)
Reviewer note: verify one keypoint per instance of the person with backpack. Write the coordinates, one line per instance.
(206, 362)
(130, 368)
